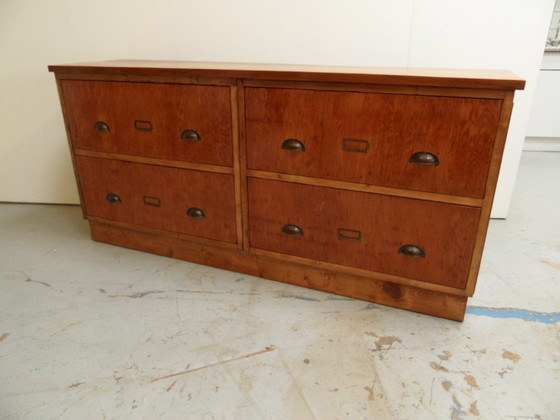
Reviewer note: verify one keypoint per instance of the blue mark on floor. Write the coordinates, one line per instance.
(299, 297)
(542, 317)
(142, 294)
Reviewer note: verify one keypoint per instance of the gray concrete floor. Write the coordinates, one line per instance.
(93, 331)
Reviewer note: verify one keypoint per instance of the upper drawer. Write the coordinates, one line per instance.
(417, 239)
(195, 203)
(168, 121)
(424, 143)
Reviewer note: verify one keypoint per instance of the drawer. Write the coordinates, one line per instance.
(423, 143)
(417, 239)
(168, 121)
(196, 203)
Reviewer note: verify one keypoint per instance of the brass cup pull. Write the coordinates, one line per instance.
(101, 126)
(424, 158)
(294, 145)
(412, 251)
(113, 198)
(290, 229)
(196, 213)
(191, 135)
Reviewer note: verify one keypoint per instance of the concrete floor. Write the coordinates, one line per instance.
(93, 331)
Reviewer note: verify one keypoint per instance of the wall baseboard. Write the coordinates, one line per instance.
(542, 144)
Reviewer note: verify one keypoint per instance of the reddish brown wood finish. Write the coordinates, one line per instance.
(162, 112)
(455, 78)
(353, 191)
(382, 132)
(159, 197)
(364, 230)
(370, 288)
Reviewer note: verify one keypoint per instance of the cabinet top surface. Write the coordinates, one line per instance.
(464, 78)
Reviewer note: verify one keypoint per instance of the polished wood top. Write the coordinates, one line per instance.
(459, 78)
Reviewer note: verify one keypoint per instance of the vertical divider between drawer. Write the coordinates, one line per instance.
(240, 166)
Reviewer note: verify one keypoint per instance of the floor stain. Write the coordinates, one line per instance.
(387, 341)
(447, 385)
(503, 372)
(457, 412)
(471, 380)
(245, 356)
(552, 264)
(445, 356)
(371, 334)
(371, 395)
(4, 336)
(514, 313)
(28, 280)
(511, 356)
(474, 409)
(306, 361)
(76, 385)
(138, 295)
(438, 367)
(170, 387)
(298, 297)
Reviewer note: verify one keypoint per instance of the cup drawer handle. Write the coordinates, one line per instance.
(293, 230)
(294, 145)
(191, 135)
(412, 251)
(102, 127)
(424, 158)
(113, 198)
(196, 213)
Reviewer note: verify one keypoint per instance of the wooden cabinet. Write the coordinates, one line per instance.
(371, 183)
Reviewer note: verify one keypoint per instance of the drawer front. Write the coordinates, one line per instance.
(168, 121)
(424, 143)
(196, 203)
(417, 239)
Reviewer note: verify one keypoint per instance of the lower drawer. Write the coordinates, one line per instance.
(196, 203)
(416, 239)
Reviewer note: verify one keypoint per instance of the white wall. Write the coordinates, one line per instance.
(543, 132)
(34, 161)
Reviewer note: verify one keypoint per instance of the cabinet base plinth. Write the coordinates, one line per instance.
(363, 288)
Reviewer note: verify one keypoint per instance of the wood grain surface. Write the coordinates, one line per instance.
(364, 230)
(335, 215)
(141, 187)
(168, 109)
(459, 78)
(370, 288)
(370, 138)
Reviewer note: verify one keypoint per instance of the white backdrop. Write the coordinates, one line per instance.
(34, 160)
